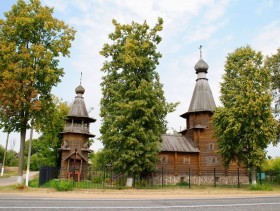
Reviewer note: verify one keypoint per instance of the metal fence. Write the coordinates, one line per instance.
(162, 178)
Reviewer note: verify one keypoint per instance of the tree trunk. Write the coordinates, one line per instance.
(253, 175)
(21, 156)
(4, 159)
(129, 181)
(29, 157)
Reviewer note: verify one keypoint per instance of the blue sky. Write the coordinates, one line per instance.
(219, 26)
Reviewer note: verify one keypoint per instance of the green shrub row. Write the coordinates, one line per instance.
(62, 184)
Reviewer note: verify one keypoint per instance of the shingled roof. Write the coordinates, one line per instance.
(202, 98)
(78, 108)
(176, 143)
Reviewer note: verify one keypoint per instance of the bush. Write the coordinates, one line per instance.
(263, 187)
(182, 183)
(121, 183)
(277, 178)
(34, 183)
(108, 180)
(62, 185)
(141, 183)
(97, 180)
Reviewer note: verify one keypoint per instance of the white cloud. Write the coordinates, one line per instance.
(268, 40)
(174, 48)
(264, 5)
(211, 21)
(84, 6)
(59, 5)
(179, 6)
(179, 80)
(203, 32)
(216, 10)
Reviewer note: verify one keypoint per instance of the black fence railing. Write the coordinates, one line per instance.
(47, 173)
(162, 178)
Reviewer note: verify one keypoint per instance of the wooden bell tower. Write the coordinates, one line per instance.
(75, 146)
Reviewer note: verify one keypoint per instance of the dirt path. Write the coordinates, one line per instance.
(13, 179)
(137, 194)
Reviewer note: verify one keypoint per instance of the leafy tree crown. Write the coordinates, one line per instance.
(133, 107)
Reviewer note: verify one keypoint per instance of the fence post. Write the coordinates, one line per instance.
(215, 177)
(238, 178)
(260, 176)
(139, 182)
(104, 176)
(134, 180)
(189, 178)
(162, 182)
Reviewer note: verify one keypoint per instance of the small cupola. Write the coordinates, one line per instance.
(201, 66)
(80, 89)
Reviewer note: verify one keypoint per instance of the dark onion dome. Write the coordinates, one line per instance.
(80, 90)
(201, 66)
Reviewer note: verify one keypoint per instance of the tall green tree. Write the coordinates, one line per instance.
(98, 160)
(41, 154)
(53, 124)
(272, 168)
(31, 42)
(133, 107)
(45, 149)
(2, 151)
(273, 64)
(245, 126)
(10, 156)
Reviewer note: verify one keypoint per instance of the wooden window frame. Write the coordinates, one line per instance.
(187, 160)
(164, 159)
(205, 121)
(191, 122)
(211, 146)
(211, 160)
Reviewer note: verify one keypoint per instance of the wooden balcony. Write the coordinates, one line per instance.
(76, 128)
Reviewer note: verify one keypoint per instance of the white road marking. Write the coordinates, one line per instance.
(150, 207)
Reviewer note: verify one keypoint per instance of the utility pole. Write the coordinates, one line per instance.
(4, 158)
(29, 155)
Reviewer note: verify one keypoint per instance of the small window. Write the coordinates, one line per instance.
(211, 159)
(163, 159)
(190, 122)
(211, 146)
(205, 121)
(186, 160)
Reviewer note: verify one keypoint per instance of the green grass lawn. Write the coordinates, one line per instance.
(92, 184)
(87, 184)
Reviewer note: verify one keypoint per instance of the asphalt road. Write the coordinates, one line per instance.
(240, 204)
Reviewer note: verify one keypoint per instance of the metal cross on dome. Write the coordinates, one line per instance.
(200, 51)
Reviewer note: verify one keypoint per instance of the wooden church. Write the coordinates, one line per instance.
(195, 149)
(194, 152)
(75, 145)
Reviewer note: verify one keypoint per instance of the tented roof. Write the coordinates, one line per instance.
(78, 108)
